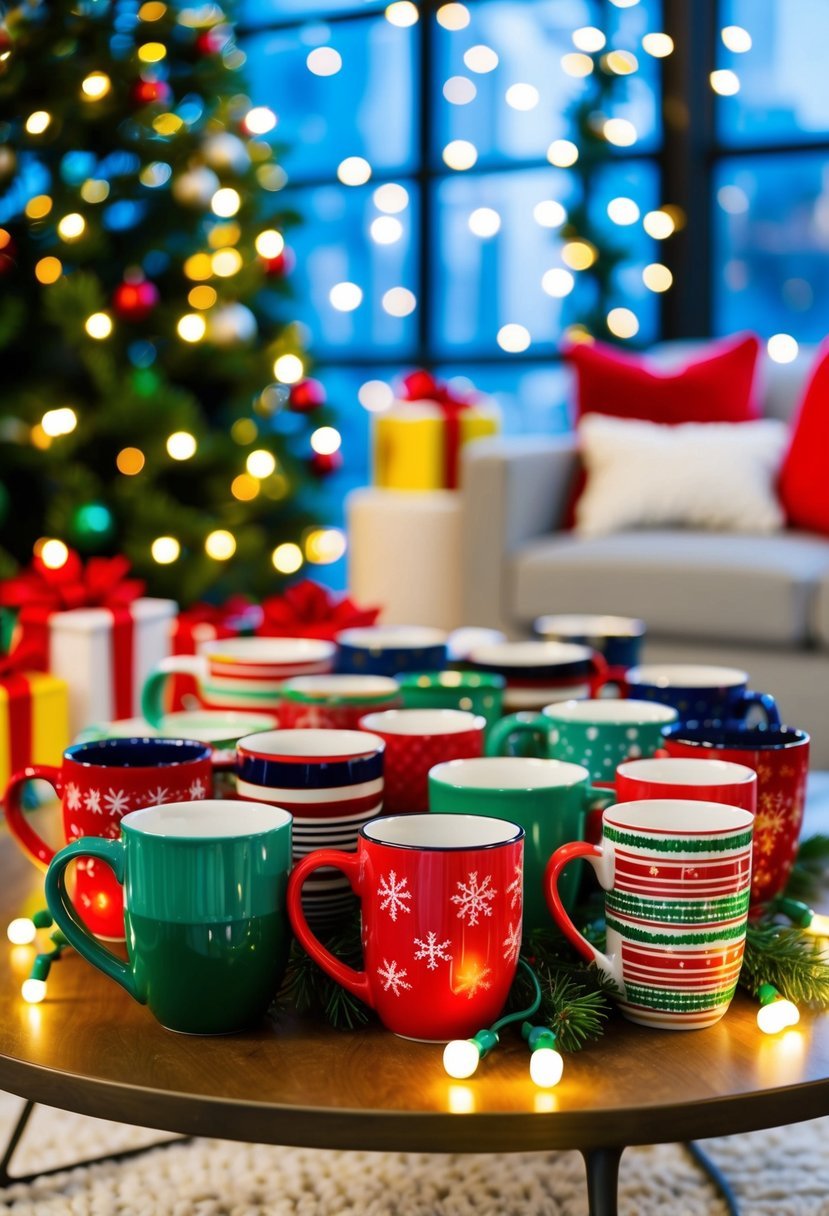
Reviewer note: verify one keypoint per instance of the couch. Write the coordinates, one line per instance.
(758, 602)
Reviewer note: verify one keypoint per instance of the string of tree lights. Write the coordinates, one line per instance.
(156, 394)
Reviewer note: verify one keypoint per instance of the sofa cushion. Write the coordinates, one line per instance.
(681, 583)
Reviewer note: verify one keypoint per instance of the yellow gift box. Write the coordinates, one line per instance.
(416, 445)
(34, 721)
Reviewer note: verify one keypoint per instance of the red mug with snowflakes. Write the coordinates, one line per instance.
(441, 900)
(416, 740)
(98, 783)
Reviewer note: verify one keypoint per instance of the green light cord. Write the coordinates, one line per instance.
(523, 1014)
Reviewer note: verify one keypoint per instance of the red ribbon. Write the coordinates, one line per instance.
(19, 695)
(422, 386)
(308, 610)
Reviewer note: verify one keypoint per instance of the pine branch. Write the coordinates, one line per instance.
(309, 990)
(790, 959)
(808, 877)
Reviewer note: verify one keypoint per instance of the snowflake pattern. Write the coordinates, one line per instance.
(654, 871)
(433, 950)
(474, 899)
(157, 796)
(117, 801)
(514, 889)
(73, 797)
(473, 979)
(92, 802)
(512, 942)
(198, 789)
(393, 977)
(395, 896)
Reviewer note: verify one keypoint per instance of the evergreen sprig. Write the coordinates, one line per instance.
(309, 990)
(809, 872)
(789, 958)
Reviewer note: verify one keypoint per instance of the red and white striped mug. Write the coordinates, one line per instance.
(677, 879)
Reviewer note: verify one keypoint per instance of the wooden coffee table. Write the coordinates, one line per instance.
(91, 1049)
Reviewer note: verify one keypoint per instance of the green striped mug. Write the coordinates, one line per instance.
(677, 878)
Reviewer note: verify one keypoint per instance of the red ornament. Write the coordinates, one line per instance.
(323, 464)
(213, 41)
(281, 265)
(146, 92)
(306, 396)
(135, 301)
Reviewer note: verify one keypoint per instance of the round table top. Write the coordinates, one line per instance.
(88, 1047)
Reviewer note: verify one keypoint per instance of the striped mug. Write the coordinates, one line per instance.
(677, 878)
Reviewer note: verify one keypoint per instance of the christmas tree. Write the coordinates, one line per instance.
(155, 396)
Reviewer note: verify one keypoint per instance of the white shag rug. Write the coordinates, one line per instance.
(781, 1172)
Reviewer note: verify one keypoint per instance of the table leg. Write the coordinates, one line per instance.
(602, 1168)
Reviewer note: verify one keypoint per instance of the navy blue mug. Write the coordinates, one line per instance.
(618, 638)
(703, 693)
(379, 650)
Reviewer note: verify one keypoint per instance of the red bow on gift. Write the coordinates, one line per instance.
(102, 583)
(423, 386)
(308, 610)
(27, 656)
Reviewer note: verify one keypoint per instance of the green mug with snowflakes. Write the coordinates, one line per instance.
(550, 799)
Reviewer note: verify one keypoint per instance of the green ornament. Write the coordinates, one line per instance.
(91, 524)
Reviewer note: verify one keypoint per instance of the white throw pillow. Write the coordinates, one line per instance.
(717, 475)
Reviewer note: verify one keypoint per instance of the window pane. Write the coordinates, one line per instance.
(365, 109)
(771, 235)
(334, 246)
(783, 93)
(529, 38)
(486, 282)
(264, 12)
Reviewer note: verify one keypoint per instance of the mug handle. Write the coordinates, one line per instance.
(562, 857)
(497, 740)
(765, 701)
(30, 842)
(602, 674)
(152, 694)
(66, 917)
(597, 797)
(353, 981)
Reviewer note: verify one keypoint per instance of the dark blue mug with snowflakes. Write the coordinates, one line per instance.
(702, 693)
(98, 783)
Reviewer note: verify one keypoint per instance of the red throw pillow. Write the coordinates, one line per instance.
(714, 387)
(804, 486)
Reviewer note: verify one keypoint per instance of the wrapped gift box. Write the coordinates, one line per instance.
(34, 720)
(417, 442)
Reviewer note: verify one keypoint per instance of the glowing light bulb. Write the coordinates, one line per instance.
(375, 396)
(54, 554)
(326, 440)
(130, 461)
(588, 38)
(575, 63)
(244, 487)
(38, 207)
(725, 82)
(402, 13)
(461, 1058)
(354, 171)
(391, 198)
(736, 39)
(191, 327)
(460, 90)
(202, 297)
(37, 122)
(513, 338)
(562, 153)
(399, 302)
(324, 61)
(260, 120)
(386, 230)
(579, 255)
(620, 132)
(152, 52)
(658, 45)
(460, 154)
(819, 924)
(225, 262)
(621, 63)
(287, 558)
(345, 297)
(270, 243)
(48, 270)
(623, 322)
(777, 1015)
(657, 277)
(481, 59)
(659, 224)
(99, 325)
(289, 369)
(152, 10)
(225, 202)
(71, 226)
(220, 545)
(484, 221)
(549, 213)
(557, 282)
(453, 16)
(546, 1067)
(33, 991)
(181, 445)
(324, 546)
(261, 463)
(61, 421)
(522, 96)
(21, 931)
(165, 550)
(782, 348)
(623, 210)
(95, 86)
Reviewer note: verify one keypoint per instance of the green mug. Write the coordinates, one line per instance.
(598, 734)
(204, 910)
(476, 691)
(549, 799)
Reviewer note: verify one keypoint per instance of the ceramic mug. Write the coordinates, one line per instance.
(204, 906)
(548, 798)
(331, 781)
(385, 650)
(416, 740)
(477, 692)
(701, 693)
(618, 638)
(98, 783)
(539, 672)
(688, 780)
(440, 897)
(221, 728)
(780, 758)
(238, 673)
(334, 702)
(676, 877)
(598, 734)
